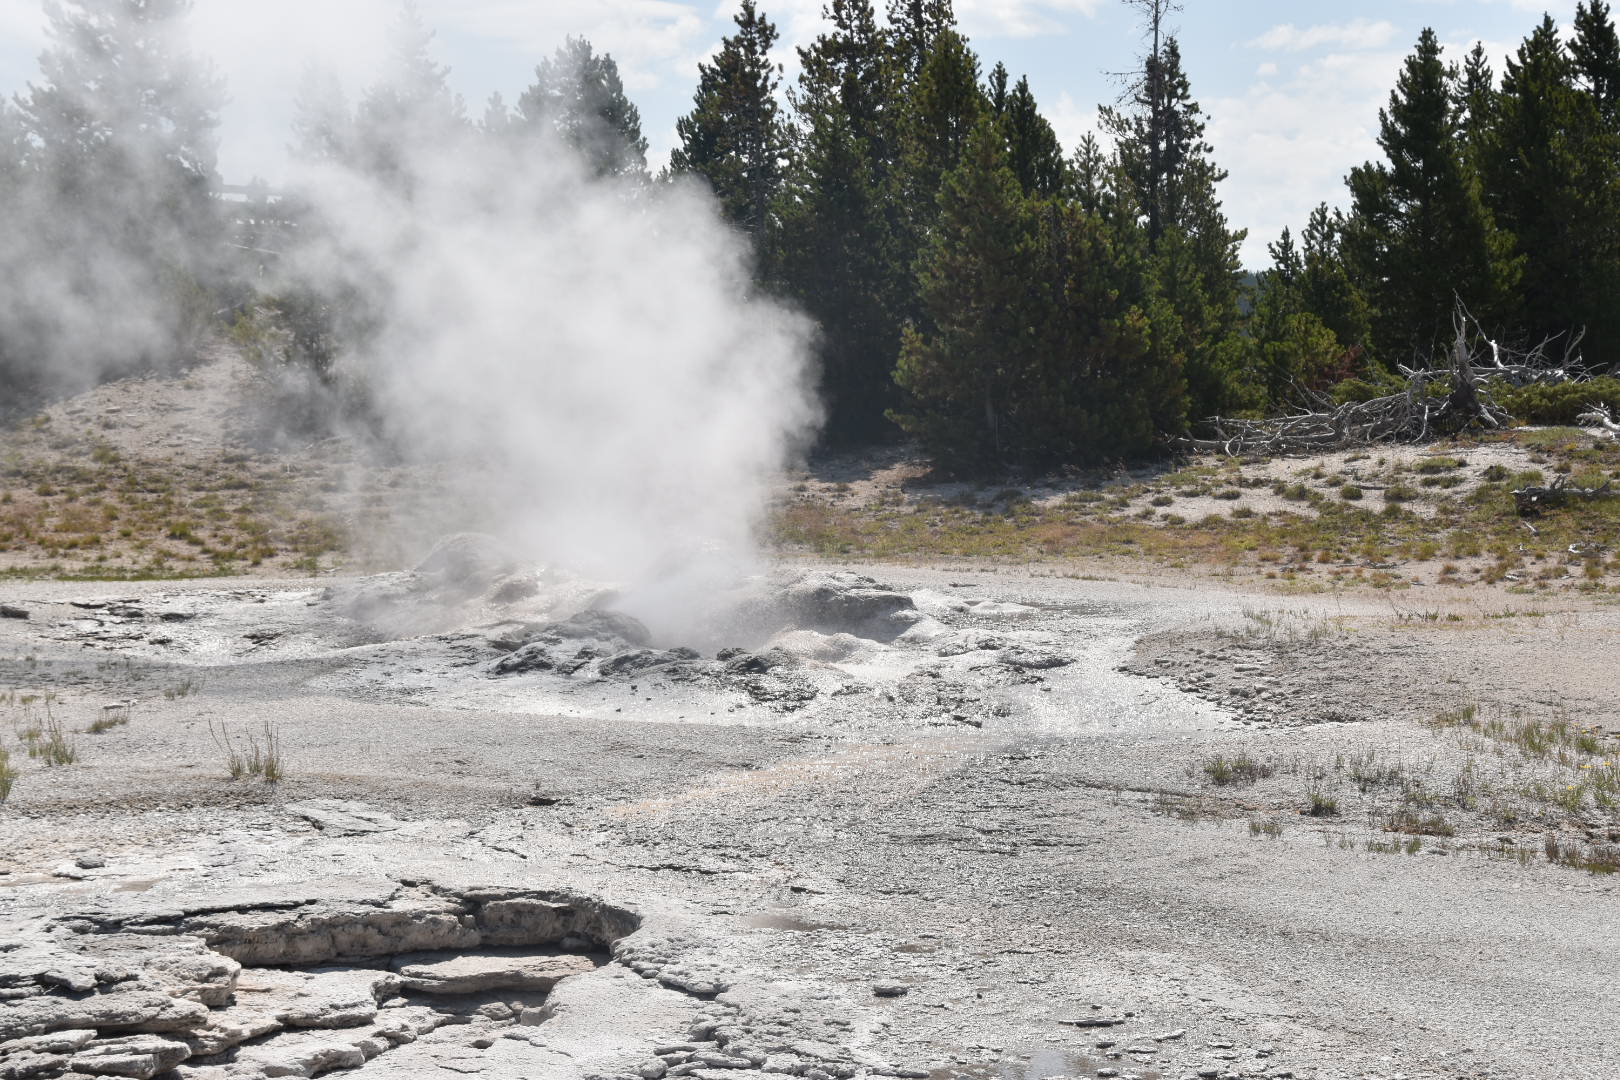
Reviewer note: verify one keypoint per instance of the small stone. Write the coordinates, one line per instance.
(1171, 1036)
(90, 862)
(1107, 1072)
(7, 611)
(890, 990)
(652, 1070)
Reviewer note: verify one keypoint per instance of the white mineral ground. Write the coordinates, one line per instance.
(933, 822)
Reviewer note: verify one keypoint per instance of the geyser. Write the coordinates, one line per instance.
(585, 351)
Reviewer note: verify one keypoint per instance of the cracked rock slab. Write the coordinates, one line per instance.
(474, 973)
(139, 1056)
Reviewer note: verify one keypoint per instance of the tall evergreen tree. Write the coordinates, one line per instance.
(1034, 153)
(1420, 234)
(1476, 105)
(578, 97)
(1595, 50)
(1294, 350)
(114, 229)
(734, 137)
(1159, 132)
(497, 121)
(411, 108)
(942, 108)
(914, 26)
(1553, 182)
(995, 89)
(1091, 180)
(838, 252)
(944, 105)
(1039, 352)
(1169, 179)
(1329, 291)
(322, 127)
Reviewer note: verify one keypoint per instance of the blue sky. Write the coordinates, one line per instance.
(1292, 88)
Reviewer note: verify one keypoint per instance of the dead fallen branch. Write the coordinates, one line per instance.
(1415, 415)
(1598, 416)
(1533, 500)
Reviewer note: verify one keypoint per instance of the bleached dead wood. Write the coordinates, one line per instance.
(1414, 415)
(1533, 500)
(1598, 416)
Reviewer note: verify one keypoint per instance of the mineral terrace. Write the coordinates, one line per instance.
(976, 822)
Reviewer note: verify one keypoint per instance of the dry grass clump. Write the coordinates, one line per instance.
(1238, 770)
(254, 755)
(8, 774)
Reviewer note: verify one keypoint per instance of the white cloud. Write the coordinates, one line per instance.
(1020, 18)
(1355, 34)
(1071, 121)
(644, 36)
(1291, 138)
(1289, 142)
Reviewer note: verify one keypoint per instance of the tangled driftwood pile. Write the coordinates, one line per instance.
(1415, 414)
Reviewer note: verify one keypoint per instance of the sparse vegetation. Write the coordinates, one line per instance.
(8, 774)
(257, 754)
(1239, 769)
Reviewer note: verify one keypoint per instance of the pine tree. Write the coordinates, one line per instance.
(1420, 234)
(734, 137)
(322, 126)
(943, 107)
(1091, 177)
(1034, 154)
(1553, 183)
(837, 253)
(995, 90)
(1328, 290)
(1595, 50)
(1161, 131)
(1294, 350)
(1042, 351)
(914, 27)
(497, 121)
(1168, 178)
(117, 165)
(976, 277)
(578, 97)
(411, 109)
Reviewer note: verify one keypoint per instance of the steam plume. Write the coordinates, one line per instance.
(584, 350)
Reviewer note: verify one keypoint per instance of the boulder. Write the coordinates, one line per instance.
(841, 602)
